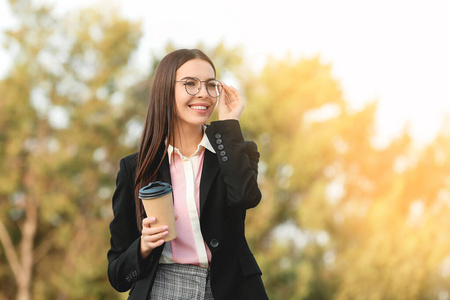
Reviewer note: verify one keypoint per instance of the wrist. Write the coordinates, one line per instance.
(144, 249)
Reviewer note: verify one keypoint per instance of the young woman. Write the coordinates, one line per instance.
(213, 172)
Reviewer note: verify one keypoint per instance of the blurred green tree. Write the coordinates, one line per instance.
(392, 238)
(294, 108)
(342, 218)
(64, 126)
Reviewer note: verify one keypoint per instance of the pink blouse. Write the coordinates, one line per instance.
(185, 172)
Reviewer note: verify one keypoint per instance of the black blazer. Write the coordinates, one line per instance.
(228, 187)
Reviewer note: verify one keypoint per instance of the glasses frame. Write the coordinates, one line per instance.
(200, 88)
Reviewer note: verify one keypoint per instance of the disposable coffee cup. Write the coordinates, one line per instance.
(158, 202)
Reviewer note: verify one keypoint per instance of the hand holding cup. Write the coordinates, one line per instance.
(159, 226)
(152, 236)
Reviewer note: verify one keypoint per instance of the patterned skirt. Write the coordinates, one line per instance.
(181, 282)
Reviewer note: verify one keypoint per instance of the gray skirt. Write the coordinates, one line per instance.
(181, 282)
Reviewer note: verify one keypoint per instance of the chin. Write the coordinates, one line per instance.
(196, 123)
(201, 121)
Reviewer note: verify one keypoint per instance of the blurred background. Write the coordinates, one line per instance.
(348, 101)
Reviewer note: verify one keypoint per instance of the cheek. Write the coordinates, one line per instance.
(214, 101)
(180, 98)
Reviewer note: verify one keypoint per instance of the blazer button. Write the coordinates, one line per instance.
(222, 153)
(220, 147)
(225, 158)
(214, 243)
(218, 141)
(218, 135)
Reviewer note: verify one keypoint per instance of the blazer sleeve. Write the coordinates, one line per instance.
(125, 265)
(238, 162)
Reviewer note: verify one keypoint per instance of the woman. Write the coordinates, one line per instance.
(213, 172)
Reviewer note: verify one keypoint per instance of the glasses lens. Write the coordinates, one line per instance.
(214, 88)
(192, 86)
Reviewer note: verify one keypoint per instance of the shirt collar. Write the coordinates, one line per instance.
(206, 144)
(203, 143)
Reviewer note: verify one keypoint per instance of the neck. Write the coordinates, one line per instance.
(187, 138)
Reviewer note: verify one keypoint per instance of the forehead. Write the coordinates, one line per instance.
(195, 68)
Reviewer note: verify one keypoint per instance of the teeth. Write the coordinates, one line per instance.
(199, 107)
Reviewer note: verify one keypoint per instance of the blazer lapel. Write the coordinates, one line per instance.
(210, 170)
(165, 170)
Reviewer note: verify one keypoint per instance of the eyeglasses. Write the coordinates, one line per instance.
(193, 86)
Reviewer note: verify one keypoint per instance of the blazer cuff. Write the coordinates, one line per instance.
(230, 128)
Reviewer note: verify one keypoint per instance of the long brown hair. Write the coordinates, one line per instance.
(160, 121)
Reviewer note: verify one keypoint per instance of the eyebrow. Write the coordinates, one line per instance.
(192, 77)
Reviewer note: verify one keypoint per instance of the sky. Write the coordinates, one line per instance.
(394, 51)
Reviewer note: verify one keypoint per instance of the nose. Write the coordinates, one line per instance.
(203, 92)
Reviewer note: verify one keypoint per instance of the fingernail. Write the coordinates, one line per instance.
(152, 219)
(165, 233)
(165, 227)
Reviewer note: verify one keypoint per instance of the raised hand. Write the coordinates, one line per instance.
(230, 104)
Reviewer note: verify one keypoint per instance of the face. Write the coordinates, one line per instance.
(194, 110)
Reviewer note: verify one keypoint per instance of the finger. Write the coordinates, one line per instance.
(232, 93)
(153, 245)
(223, 96)
(228, 98)
(223, 100)
(148, 221)
(154, 230)
(155, 238)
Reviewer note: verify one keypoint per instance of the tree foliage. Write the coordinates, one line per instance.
(340, 217)
(63, 123)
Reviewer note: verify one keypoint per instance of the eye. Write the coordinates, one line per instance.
(191, 82)
(213, 84)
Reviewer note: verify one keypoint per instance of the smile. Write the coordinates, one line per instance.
(199, 107)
